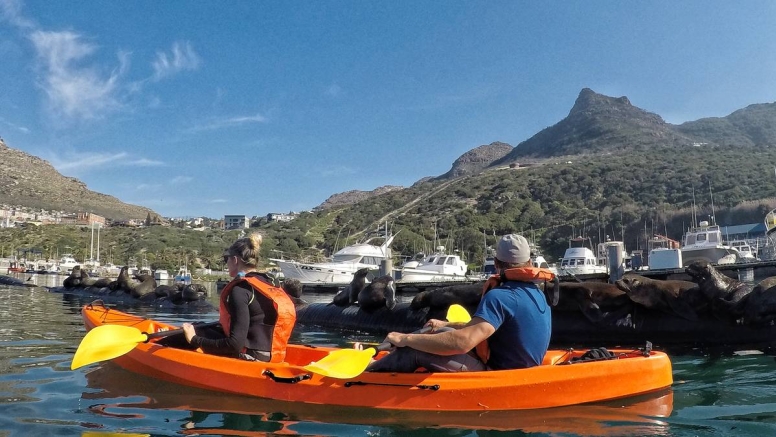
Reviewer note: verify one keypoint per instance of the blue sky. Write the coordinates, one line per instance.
(213, 108)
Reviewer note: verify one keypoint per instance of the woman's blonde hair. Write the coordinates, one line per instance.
(246, 249)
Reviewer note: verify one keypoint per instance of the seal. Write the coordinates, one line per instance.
(88, 281)
(724, 293)
(349, 294)
(146, 286)
(381, 292)
(681, 298)
(759, 307)
(438, 300)
(599, 302)
(74, 280)
(293, 288)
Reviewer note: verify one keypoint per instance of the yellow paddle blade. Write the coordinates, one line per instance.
(458, 314)
(106, 342)
(342, 363)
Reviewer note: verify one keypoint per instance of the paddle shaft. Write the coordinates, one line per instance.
(162, 334)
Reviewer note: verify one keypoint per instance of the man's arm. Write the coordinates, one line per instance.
(459, 341)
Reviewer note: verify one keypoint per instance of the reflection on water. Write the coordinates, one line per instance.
(39, 395)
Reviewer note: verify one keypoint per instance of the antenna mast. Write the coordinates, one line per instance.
(713, 216)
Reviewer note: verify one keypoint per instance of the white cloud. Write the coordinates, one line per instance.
(333, 90)
(337, 171)
(89, 161)
(86, 161)
(182, 57)
(10, 11)
(73, 90)
(229, 122)
(181, 180)
(147, 187)
(144, 162)
(14, 126)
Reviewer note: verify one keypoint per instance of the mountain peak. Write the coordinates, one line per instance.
(589, 100)
(598, 124)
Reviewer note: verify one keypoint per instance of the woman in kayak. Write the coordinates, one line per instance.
(255, 317)
(510, 329)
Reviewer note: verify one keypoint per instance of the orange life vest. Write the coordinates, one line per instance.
(519, 274)
(283, 305)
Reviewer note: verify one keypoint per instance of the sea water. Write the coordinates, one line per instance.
(732, 394)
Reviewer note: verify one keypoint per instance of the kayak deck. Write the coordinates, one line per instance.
(557, 382)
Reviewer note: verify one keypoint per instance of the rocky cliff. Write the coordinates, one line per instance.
(29, 181)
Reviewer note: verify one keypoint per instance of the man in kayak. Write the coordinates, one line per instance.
(509, 330)
(255, 317)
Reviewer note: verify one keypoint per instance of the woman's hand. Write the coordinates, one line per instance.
(435, 324)
(188, 331)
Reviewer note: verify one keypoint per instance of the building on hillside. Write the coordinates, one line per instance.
(87, 218)
(281, 217)
(235, 222)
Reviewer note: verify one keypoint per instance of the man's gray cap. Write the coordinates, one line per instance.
(513, 249)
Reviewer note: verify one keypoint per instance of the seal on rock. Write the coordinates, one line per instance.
(759, 307)
(723, 292)
(438, 300)
(88, 281)
(349, 294)
(599, 302)
(379, 293)
(74, 280)
(147, 284)
(681, 298)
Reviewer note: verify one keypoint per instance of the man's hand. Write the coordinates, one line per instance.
(435, 324)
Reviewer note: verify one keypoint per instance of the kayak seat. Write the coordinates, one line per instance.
(597, 354)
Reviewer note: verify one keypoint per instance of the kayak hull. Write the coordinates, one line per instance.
(548, 385)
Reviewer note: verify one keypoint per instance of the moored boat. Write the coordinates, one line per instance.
(704, 242)
(343, 264)
(559, 381)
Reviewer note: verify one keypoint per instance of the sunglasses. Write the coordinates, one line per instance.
(226, 258)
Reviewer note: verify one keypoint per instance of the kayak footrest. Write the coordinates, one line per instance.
(287, 379)
(434, 387)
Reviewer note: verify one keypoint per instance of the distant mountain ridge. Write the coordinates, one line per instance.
(353, 196)
(29, 181)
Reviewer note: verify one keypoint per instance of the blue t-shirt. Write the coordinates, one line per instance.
(522, 318)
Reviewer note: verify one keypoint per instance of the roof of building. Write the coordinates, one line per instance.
(751, 228)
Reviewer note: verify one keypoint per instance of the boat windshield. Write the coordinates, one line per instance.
(347, 258)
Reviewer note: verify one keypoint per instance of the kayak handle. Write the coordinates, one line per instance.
(287, 379)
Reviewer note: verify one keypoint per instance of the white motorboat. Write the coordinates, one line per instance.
(579, 260)
(439, 267)
(161, 275)
(343, 265)
(66, 263)
(109, 270)
(705, 243)
(744, 249)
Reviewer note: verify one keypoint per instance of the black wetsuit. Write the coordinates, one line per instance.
(253, 317)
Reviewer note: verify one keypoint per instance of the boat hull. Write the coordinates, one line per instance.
(320, 274)
(713, 255)
(548, 385)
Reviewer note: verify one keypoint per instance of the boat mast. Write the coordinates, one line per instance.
(711, 194)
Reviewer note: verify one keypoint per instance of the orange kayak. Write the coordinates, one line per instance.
(557, 382)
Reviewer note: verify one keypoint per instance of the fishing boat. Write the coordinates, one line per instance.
(704, 242)
(562, 379)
